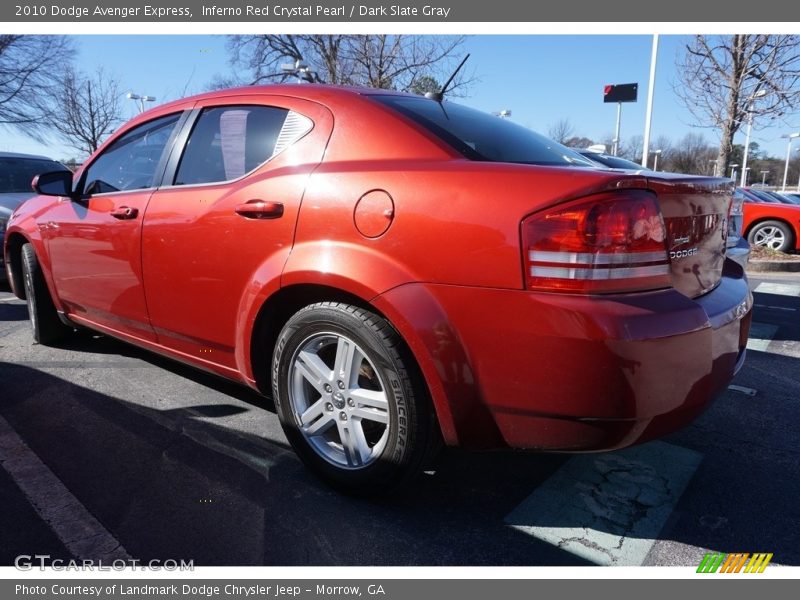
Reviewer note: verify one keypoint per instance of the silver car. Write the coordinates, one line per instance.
(16, 173)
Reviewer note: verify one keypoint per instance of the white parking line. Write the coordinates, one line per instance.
(608, 508)
(80, 532)
(760, 336)
(743, 390)
(781, 289)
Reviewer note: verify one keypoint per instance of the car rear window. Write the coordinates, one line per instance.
(16, 173)
(481, 136)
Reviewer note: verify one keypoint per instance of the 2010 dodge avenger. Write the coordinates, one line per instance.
(395, 271)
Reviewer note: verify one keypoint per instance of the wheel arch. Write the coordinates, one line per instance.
(281, 305)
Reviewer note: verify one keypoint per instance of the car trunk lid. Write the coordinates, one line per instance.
(696, 211)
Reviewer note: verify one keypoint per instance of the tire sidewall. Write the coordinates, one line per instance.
(29, 269)
(396, 454)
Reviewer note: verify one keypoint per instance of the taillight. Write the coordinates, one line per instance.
(612, 242)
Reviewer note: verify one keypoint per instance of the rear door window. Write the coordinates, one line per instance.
(229, 142)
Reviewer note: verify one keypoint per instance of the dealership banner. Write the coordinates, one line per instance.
(376, 589)
(454, 11)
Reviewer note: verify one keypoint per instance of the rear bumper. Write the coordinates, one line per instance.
(740, 253)
(564, 372)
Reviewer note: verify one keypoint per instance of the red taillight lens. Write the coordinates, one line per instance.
(614, 242)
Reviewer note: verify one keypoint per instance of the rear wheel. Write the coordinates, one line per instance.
(348, 400)
(47, 327)
(774, 235)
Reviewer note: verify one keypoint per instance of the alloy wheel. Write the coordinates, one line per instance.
(339, 400)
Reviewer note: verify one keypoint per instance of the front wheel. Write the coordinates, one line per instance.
(774, 235)
(47, 327)
(349, 399)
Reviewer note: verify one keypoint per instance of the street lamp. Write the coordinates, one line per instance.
(745, 175)
(733, 170)
(655, 160)
(301, 70)
(141, 99)
(764, 178)
(791, 136)
(751, 99)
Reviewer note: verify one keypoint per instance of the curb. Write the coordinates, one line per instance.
(772, 266)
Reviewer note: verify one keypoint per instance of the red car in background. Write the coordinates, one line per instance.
(771, 224)
(394, 271)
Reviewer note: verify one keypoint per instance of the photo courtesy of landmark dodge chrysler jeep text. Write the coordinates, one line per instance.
(395, 271)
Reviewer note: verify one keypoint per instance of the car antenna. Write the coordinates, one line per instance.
(439, 96)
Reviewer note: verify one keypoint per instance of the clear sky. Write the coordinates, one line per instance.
(541, 79)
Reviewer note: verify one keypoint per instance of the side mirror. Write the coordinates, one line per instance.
(54, 183)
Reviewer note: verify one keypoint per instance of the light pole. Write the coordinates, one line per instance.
(142, 99)
(733, 170)
(764, 178)
(615, 141)
(655, 159)
(648, 117)
(798, 177)
(791, 136)
(751, 99)
(745, 175)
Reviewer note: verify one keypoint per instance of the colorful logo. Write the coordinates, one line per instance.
(743, 562)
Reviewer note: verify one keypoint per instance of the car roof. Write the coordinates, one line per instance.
(304, 91)
(25, 156)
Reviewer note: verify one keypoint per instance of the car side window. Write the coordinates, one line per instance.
(228, 142)
(130, 162)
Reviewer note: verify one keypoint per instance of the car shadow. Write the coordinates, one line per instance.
(218, 484)
(177, 483)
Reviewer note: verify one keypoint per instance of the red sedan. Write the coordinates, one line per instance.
(395, 272)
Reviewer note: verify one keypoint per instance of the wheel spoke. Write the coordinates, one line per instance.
(313, 370)
(354, 443)
(370, 405)
(347, 362)
(315, 420)
(370, 398)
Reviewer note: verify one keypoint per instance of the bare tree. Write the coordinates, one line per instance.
(691, 154)
(579, 142)
(723, 78)
(30, 68)
(561, 131)
(86, 109)
(400, 62)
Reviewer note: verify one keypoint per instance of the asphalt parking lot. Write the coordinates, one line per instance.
(106, 450)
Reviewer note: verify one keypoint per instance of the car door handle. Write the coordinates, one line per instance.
(260, 209)
(124, 212)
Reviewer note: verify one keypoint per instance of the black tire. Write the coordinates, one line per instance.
(408, 441)
(780, 234)
(47, 327)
